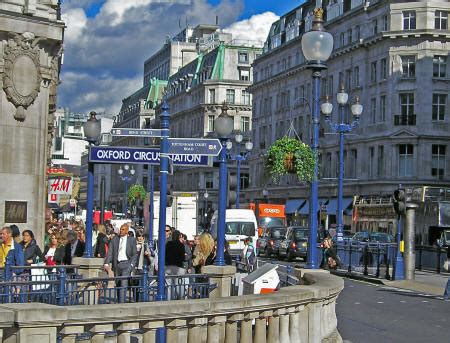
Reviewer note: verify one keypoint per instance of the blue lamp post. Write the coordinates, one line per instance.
(92, 131)
(317, 46)
(239, 157)
(223, 126)
(126, 175)
(341, 128)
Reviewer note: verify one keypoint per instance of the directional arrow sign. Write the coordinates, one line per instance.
(127, 132)
(194, 146)
(141, 156)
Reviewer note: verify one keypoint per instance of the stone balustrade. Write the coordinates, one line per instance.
(304, 313)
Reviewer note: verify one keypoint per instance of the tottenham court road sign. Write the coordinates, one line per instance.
(126, 132)
(196, 146)
(142, 156)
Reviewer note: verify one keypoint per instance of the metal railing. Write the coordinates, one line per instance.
(431, 258)
(62, 286)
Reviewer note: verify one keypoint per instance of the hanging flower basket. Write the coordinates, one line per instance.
(133, 192)
(290, 156)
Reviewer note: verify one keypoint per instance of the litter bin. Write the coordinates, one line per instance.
(263, 280)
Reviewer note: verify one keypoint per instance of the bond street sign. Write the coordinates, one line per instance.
(127, 132)
(141, 156)
(196, 146)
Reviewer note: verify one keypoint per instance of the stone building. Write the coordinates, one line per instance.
(31, 34)
(395, 56)
(222, 72)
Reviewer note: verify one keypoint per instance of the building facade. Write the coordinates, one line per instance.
(394, 55)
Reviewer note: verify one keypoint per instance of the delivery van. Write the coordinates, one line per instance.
(239, 224)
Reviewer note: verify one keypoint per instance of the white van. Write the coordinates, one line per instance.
(239, 224)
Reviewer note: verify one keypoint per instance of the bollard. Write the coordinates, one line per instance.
(420, 258)
(144, 285)
(378, 260)
(386, 261)
(61, 295)
(366, 259)
(447, 290)
(350, 258)
(438, 268)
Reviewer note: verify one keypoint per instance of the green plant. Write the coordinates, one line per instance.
(133, 192)
(290, 155)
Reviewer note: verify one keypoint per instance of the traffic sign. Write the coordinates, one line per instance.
(196, 146)
(127, 132)
(114, 154)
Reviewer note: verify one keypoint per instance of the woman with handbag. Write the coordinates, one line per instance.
(31, 250)
(54, 251)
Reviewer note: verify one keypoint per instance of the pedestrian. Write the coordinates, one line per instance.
(54, 251)
(202, 251)
(32, 252)
(11, 252)
(187, 253)
(143, 251)
(330, 260)
(175, 255)
(249, 255)
(101, 246)
(73, 248)
(121, 258)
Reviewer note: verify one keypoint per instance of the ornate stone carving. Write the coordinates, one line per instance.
(22, 75)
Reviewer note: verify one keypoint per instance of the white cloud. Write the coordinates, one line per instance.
(104, 58)
(255, 28)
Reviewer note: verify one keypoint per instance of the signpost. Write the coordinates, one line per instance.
(129, 155)
(196, 146)
(129, 132)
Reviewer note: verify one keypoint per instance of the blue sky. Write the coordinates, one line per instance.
(107, 41)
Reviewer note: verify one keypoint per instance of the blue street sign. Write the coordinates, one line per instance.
(196, 146)
(127, 132)
(141, 156)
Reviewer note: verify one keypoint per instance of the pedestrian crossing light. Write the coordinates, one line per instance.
(232, 189)
(399, 201)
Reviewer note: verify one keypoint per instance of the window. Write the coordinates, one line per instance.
(373, 110)
(383, 108)
(212, 96)
(245, 180)
(244, 74)
(374, 26)
(356, 77)
(357, 32)
(408, 66)
(245, 98)
(58, 144)
(380, 161)
(439, 106)
(327, 171)
(409, 20)
(383, 69)
(348, 79)
(230, 96)
(342, 39)
(211, 123)
(405, 160)
(349, 36)
(384, 23)
(438, 160)
(371, 162)
(353, 163)
(439, 66)
(440, 20)
(209, 180)
(407, 109)
(373, 72)
(242, 57)
(245, 123)
(330, 85)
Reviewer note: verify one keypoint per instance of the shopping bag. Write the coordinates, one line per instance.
(39, 274)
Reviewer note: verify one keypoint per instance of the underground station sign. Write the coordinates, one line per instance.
(142, 156)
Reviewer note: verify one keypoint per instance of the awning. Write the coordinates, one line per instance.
(292, 205)
(304, 210)
(333, 204)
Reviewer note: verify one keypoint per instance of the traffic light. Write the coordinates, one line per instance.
(399, 201)
(232, 187)
(169, 199)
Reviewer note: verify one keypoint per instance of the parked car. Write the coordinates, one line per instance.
(269, 242)
(365, 236)
(295, 244)
(346, 236)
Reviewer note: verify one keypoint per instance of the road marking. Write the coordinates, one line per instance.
(357, 303)
(380, 302)
(402, 301)
(424, 301)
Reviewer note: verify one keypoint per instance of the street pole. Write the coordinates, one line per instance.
(410, 251)
(89, 210)
(399, 264)
(238, 177)
(220, 259)
(340, 210)
(126, 196)
(102, 199)
(151, 206)
(314, 195)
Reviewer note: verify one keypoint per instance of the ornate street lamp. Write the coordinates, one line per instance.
(223, 126)
(317, 46)
(92, 131)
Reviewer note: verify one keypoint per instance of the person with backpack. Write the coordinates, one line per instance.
(249, 255)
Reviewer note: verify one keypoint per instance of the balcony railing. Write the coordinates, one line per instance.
(405, 119)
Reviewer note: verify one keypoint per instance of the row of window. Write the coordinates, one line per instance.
(244, 125)
(376, 162)
(440, 20)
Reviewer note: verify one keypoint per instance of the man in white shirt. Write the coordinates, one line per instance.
(122, 255)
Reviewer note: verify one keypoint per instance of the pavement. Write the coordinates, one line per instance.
(423, 282)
